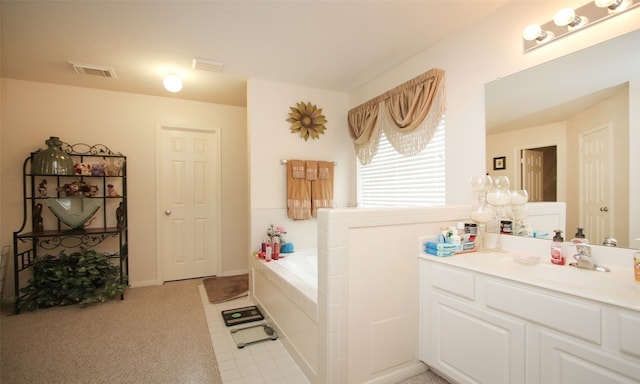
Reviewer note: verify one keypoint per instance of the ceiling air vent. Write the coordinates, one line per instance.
(207, 65)
(93, 70)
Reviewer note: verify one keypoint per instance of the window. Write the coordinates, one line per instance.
(394, 180)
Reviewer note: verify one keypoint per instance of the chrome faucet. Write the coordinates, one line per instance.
(584, 260)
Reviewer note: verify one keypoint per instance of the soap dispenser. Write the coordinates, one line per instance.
(579, 237)
(557, 257)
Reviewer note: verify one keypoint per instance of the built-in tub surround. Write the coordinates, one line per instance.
(368, 285)
(364, 325)
(286, 290)
(366, 315)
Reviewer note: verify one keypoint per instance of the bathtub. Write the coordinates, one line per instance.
(286, 290)
(300, 269)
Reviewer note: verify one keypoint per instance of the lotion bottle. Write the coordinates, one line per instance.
(557, 244)
(268, 252)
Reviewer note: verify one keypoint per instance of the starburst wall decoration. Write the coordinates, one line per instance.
(307, 120)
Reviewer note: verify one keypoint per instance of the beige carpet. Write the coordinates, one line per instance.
(225, 288)
(155, 335)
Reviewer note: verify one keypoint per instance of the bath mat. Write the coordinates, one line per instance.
(225, 288)
(241, 315)
(254, 334)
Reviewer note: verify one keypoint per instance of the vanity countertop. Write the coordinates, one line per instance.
(616, 287)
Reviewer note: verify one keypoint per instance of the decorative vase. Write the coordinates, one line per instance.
(52, 161)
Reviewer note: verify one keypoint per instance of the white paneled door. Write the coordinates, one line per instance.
(533, 175)
(596, 206)
(189, 217)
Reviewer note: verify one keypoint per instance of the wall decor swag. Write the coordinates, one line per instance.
(408, 114)
(307, 120)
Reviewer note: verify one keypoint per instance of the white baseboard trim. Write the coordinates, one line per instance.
(401, 373)
(146, 283)
(235, 272)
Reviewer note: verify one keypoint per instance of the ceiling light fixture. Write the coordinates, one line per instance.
(172, 83)
(567, 21)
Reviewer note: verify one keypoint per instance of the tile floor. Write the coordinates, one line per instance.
(264, 362)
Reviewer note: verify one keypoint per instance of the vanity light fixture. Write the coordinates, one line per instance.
(567, 21)
(172, 83)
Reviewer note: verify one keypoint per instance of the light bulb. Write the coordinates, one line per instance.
(564, 17)
(531, 32)
(615, 6)
(172, 83)
(567, 17)
(607, 3)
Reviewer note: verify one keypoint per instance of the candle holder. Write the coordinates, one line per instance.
(499, 197)
(481, 213)
(519, 211)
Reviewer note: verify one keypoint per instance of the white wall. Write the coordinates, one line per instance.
(271, 140)
(482, 53)
(126, 123)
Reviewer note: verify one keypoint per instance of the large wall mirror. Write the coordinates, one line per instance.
(567, 130)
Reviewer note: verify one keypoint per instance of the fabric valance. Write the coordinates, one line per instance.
(408, 114)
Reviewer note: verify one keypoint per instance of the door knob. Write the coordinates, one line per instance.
(167, 212)
(604, 209)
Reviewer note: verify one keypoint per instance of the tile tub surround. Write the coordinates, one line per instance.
(298, 269)
(290, 306)
(368, 291)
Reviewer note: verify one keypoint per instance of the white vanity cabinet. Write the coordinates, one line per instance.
(479, 328)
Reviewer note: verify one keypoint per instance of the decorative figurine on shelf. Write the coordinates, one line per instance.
(37, 219)
(78, 188)
(92, 190)
(120, 215)
(111, 191)
(97, 169)
(83, 169)
(72, 189)
(42, 188)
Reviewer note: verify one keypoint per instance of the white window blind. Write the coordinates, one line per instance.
(394, 180)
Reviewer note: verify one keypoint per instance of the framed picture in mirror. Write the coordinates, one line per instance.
(499, 163)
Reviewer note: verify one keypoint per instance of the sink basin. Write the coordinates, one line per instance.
(583, 279)
(74, 211)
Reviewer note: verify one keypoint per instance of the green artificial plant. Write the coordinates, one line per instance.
(82, 277)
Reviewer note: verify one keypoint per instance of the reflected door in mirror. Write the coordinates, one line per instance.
(532, 173)
(596, 183)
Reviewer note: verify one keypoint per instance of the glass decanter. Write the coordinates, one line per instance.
(499, 197)
(481, 213)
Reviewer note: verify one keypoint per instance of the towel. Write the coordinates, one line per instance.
(312, 170)
(297, 169)
(298, 191)
(322, 188)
